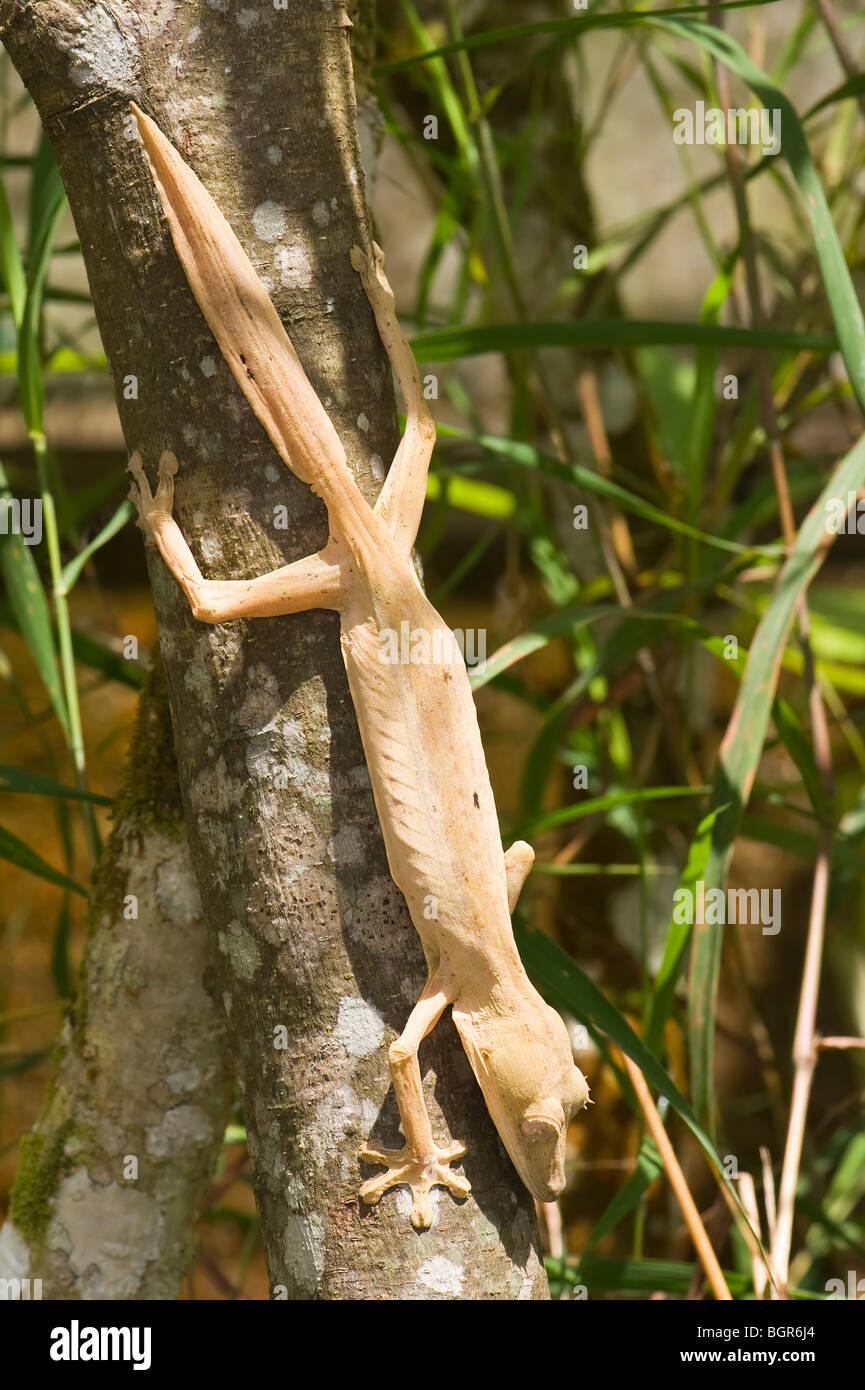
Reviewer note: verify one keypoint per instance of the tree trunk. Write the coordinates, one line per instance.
(108, 1188)
(317, 962)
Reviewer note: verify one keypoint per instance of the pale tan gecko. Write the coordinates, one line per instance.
(417, 721)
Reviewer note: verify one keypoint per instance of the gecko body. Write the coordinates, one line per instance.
(417, 718)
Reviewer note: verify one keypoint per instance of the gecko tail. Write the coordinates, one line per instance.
(246, 326)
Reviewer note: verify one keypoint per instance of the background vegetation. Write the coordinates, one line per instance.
(673, 690)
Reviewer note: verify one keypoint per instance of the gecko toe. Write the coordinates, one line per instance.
(389, 1158)
(422, 1209)
(420, 1175)
(457, 1185)
(139, 490)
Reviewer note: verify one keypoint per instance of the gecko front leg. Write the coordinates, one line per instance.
(421, 1164)
(314, 582)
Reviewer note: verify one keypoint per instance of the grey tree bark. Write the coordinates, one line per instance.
(111, 1176)
(316, 959)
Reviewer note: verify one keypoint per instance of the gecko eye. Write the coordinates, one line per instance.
(543, 1119)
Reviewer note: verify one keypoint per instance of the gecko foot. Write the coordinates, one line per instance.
(371, 272)
(404, 1168)
(150, 506)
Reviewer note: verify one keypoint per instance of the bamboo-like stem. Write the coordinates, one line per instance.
(769, 1200)
(805, 1058)
(703, 1246)
(748, 1193)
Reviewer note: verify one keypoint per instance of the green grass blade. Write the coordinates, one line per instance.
(596, 805)
(10, 260)
(100, 657)
(29, 608)
(569, 988)
(645, 1276)
(838, 283)
(742, 746)
(649, 1168)
(456, 341)
(70, 572)
(24, 857)
(18, 779)
(513, 33)
(525, 456)
(31, 386)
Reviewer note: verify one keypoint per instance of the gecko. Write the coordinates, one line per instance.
(417, 719)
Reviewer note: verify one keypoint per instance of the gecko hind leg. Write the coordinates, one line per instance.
(421, 1164)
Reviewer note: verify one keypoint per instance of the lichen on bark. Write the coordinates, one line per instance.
(41, 1163)
(105, 1199)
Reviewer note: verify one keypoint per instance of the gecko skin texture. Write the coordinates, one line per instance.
(417, 720)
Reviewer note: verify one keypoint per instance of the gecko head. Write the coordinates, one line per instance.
(524, 1065)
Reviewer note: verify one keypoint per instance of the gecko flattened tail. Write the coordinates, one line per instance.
(247, 327)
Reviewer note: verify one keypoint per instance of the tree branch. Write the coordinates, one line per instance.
(317, 962)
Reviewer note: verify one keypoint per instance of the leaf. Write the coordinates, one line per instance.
(742, 746)
(649, 1168)
(843, 301)
(24, 857)
(111, 663)
(643, 1276)
(597, 804)
(567, 986)
(853, 87)
(560, 624)
(29, 607)
(17, 779)
(513, 33)
(678, 933)
(482, 499)
(10, 260)
(26, 1062)
(31, 386)
(70, 572)
(704, 408)
(456, 341)
(525, 456)
(746, 732)
(768, 832)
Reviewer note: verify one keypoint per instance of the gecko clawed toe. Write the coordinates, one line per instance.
(420, 1175)
(419, 731)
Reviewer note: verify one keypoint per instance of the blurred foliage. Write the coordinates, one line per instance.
(638, 575)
